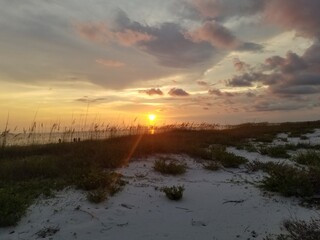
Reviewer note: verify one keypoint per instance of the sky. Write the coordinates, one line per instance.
(116, 61)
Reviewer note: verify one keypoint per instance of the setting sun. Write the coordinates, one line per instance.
(152, 117)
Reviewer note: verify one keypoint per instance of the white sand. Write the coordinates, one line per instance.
(216, 205)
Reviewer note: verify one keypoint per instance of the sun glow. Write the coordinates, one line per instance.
(152, 117)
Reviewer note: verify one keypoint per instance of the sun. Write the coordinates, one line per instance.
(152, 117)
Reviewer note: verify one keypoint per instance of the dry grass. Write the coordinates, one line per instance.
(26, 172)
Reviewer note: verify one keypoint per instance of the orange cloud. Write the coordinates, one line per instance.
(100, 32)
(110, 63)
(216, 34)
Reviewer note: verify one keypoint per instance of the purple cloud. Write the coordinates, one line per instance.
(178, 92)
(152, 91)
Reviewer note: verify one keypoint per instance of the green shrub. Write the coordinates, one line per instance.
(212, 166)
(174, 192)
(227, 160)
(299, 230)
(274, 151)
(291, 181)
(169, 167)
(309, 158)
(97, 196)
(100, 183)
(12, 207)
(257, 165)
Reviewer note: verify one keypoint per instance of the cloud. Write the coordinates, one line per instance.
(220, 37)
(96, 32)
(216, 92)
(215, 34)
(202, 83)
(166, 42)
(299, 15)
(221, 9)
(287, 76)
(291, 63)
(86, 99)
(219, 93)
(110, 63)
(267, 106)
(245, 80)
(100, 32)
(152, 91)
(240, 66)
(178, 92)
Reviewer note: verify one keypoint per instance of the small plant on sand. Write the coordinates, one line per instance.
(174, 192)
(100, 184)
(299, 230)
(274, 151)
(97, 196)
(227, 160)
(255, 166)
(248, 146)
(292, 181)
(169, 167)
(309, 158)
(212, 166)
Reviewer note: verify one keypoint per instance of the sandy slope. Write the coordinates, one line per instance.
(216, 205)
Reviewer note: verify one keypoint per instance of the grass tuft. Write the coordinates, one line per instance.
(98, 195)
(309, 158)
(171, 167)
(299, 230)
(227, 160)
(291, 181)
(173, 193)
(274, 151)
(212, 166)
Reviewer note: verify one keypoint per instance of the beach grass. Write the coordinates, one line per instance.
(28, 172)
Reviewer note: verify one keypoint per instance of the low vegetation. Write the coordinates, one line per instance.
(173, 193)
(212, 166)
(309, 158)
(226, 159)
(288, 180)
(274, 151)
(27, 172)
(169, 166)
(298, 230)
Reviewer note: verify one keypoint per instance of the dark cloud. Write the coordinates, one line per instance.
(267, 106)
(291, 63)
(220, 37)
(299, 15)
(219, 93)
(240, 66)
(220, 9)
(86, 99)
(178, 92)
(216, 92)
(292, 90)
(250, 46)
(215, 34)
(100, 32)
(250, 94)
(245, 80)
(202, 83)
(286, 77)
(166, 42)
(152, 91)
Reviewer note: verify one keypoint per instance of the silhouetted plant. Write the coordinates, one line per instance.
(173, 193)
